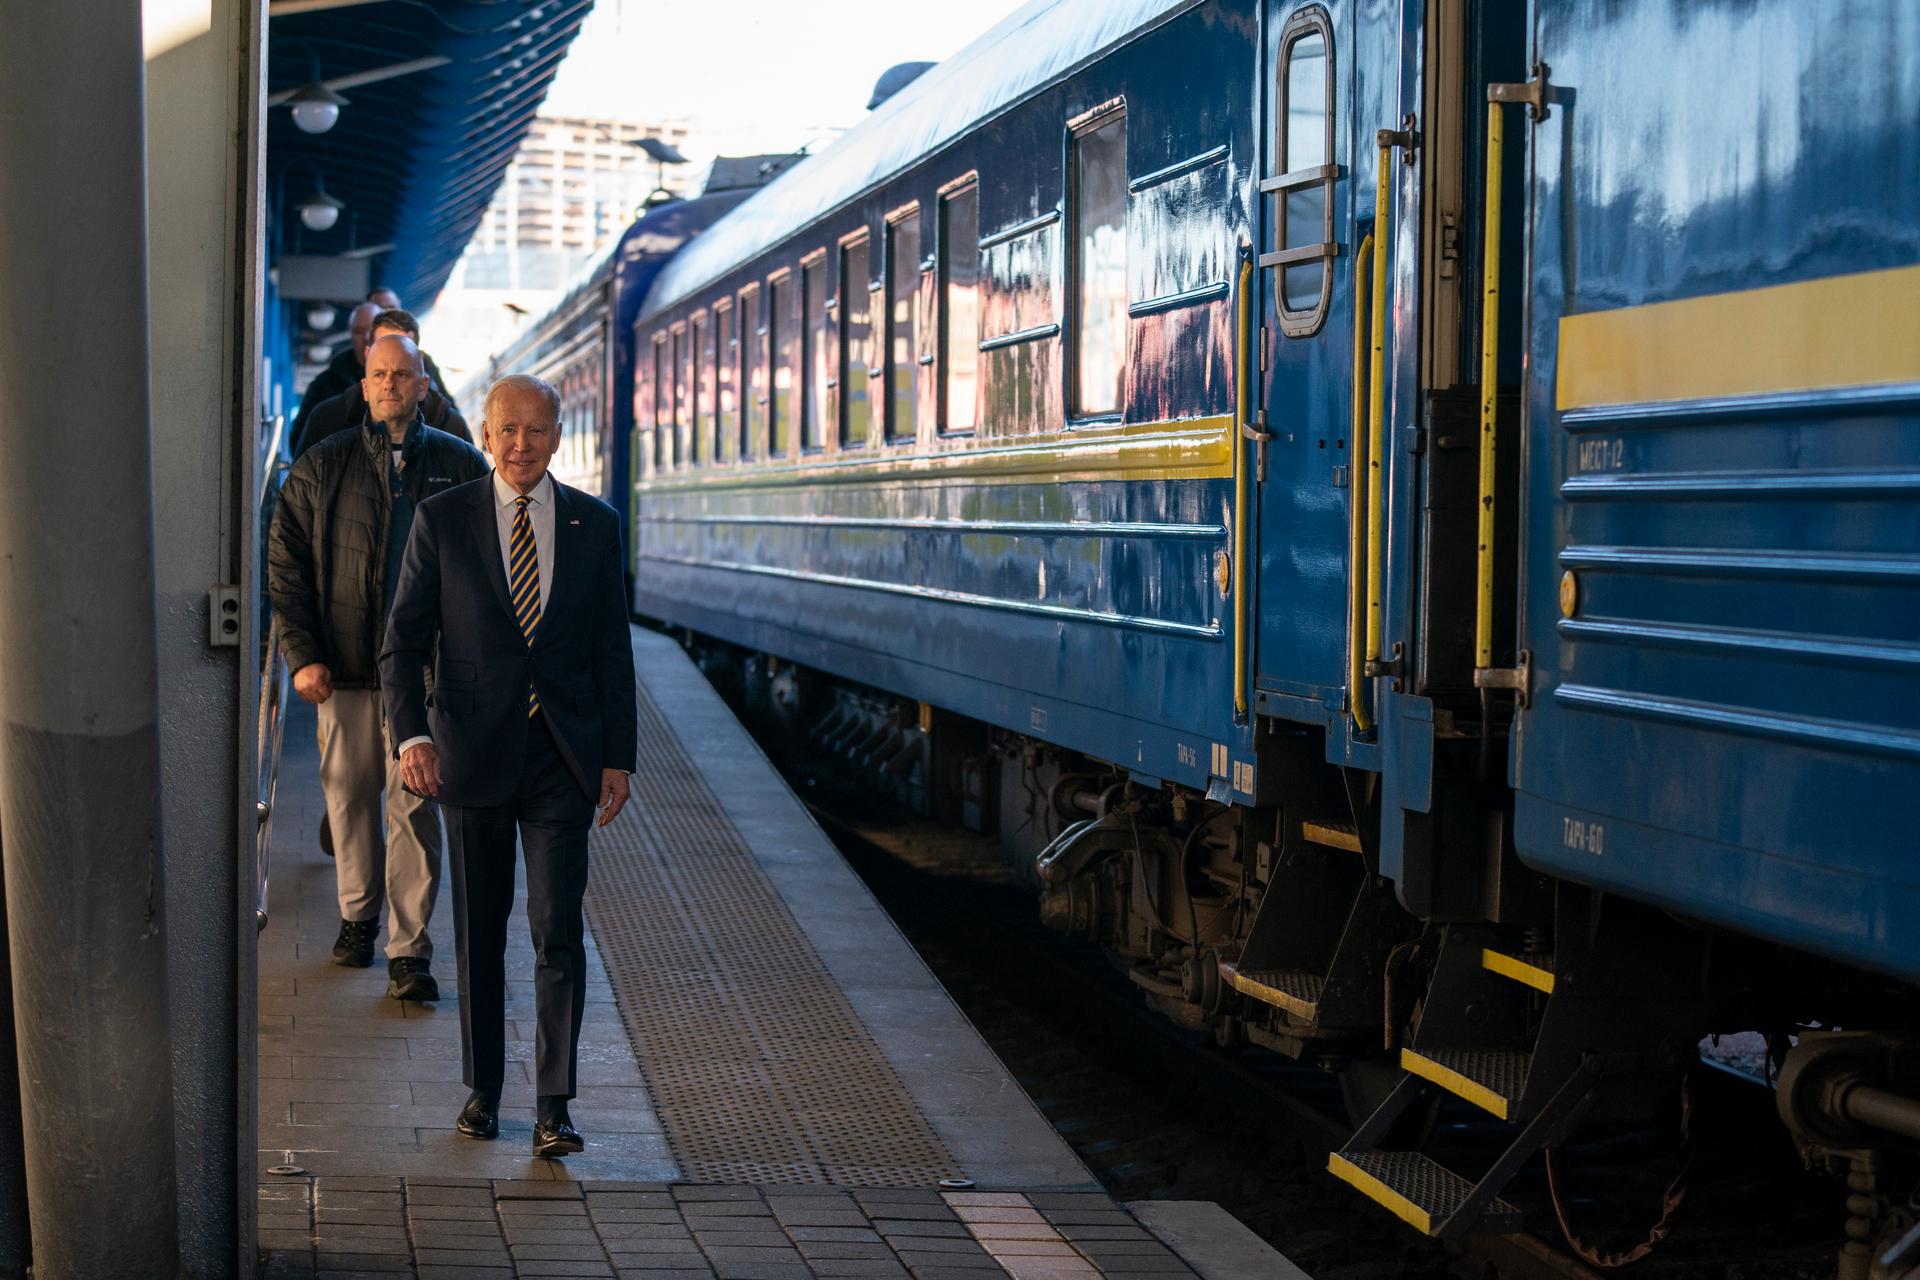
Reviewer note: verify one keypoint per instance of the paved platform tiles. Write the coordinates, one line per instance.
(802, 1080)
(353, 1083)
(334, 1228)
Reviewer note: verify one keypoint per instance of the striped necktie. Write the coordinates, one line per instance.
(523, 583)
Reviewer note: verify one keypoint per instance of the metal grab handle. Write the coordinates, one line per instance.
(1357, 522)
(1241, 398)
(1489, 394)
(1377, 406)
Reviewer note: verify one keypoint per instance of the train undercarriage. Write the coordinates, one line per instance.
(1549, 1006)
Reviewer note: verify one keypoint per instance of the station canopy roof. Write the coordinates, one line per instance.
(439, 95)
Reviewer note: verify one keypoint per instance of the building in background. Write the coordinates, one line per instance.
(576, 184)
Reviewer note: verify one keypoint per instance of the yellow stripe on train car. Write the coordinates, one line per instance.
(1189, 449)
(1839, 331)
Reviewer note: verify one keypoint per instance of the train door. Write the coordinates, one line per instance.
(1329, 82)
(1716, 670)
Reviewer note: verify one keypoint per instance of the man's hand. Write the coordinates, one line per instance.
(420, 769)
(314, 682)
(613, 795)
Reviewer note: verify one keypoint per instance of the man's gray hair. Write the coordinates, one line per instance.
(523, 382)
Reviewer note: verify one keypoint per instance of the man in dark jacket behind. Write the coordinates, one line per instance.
(349, 408)
(343, 371)
(333, 558)
(346, 370)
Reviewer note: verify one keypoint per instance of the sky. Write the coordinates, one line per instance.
(755, 75)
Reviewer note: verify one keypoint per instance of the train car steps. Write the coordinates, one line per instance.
(1294, 990)
(1436, 1200)
(1494, 1080)
(1334, 833)
(1536, 971)
(1427, 1196)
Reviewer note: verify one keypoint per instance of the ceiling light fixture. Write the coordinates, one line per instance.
(316, 108)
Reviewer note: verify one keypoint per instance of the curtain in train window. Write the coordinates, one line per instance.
(814, 381)
(702, 393)
(903, 294)
(726, 365)
(960, 310)
(856, 343)
(753, 374)
(682, 393)
(1100, 267)
(1304, 187)
(662, 404)
(780, 345)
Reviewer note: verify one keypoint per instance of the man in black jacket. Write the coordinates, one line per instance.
(333, 556)
(349, 408)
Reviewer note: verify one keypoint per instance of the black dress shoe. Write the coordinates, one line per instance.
(354, 947)
(411, 978)
(557, 1138)
(480, 1118)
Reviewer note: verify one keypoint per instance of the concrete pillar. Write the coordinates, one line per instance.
(203, 141)
(79, 748)
(15, 1242)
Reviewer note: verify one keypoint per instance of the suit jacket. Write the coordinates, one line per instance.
(452, 613)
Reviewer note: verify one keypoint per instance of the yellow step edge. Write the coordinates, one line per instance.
(1334, 837)
(1268, 995)
(1453, 1082)
(1519, 970)
(1380, 1193)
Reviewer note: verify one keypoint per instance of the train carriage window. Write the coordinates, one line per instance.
(815, 381)
(1099, 248)
(753, 374)
(856, 342)
(1304, 187)
(960, 310)
(726, 366)
(780, 345)
(903, 306)
(662, 404)
(702, 392)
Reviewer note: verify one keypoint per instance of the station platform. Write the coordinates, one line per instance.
(773, 1085)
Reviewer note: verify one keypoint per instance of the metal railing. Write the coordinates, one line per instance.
(274, 682)
(266, 763)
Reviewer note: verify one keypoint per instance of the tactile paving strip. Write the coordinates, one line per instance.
(759, 1068)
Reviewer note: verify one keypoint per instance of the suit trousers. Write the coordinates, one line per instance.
(400, 865)
(551, 816)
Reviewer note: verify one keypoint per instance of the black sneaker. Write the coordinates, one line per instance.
(410, 978)
(354, 947)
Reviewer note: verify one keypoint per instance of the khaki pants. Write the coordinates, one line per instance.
(356, 764)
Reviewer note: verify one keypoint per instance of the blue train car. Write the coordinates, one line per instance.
(1719, 580)
(889, 441)
(1401, 514)
(584, 344)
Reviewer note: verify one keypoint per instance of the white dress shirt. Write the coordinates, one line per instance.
(540, 513)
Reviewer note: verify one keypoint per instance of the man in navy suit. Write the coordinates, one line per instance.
(512, 592)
